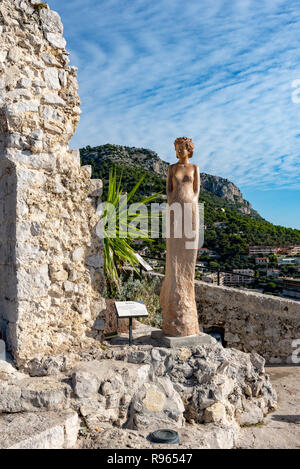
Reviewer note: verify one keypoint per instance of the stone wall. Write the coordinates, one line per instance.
(252, 322)
(51, 261)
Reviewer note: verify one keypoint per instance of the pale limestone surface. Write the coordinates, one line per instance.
(210, 436)
(41, 430)
(59, 429)
(30, 395)
(177, 297)
(104, 390)
(156, 404)
(203, 376)
(50, 291)
(280, 429)
(206, 392)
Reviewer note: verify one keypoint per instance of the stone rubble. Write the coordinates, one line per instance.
(208, 375)
(205, 389)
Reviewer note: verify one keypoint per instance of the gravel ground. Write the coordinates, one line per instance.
(281, 429)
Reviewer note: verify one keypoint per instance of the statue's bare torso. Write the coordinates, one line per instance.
(177, 296)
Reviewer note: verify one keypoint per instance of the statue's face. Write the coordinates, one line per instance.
(182, 151)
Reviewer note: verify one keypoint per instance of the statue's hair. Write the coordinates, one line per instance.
(188, 142)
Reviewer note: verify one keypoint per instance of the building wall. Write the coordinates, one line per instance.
(51, 261)
(262, 250)
(235, 279)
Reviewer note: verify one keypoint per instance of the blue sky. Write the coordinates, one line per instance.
(218, 71)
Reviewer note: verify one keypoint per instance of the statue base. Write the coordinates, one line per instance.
(177, 342)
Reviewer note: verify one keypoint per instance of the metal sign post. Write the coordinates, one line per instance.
(130, 331)
(131, 309)
(2, 350)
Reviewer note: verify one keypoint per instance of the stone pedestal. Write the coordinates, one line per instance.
(177, 342)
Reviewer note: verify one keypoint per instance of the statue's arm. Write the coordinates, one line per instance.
(169, 181)
(196, 181)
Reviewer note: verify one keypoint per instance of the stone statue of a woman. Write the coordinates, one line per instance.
(177, 297)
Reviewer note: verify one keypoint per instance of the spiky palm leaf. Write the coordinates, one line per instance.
(117, 251)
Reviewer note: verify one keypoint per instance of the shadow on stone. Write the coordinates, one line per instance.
(286, 418)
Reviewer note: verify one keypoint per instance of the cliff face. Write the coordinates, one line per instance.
(150, 161)
(226, 190)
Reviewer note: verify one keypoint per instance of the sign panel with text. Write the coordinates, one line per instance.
(131, 309)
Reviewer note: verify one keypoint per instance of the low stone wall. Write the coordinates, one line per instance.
(252, 322)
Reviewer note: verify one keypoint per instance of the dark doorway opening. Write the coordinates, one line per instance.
(217, 333)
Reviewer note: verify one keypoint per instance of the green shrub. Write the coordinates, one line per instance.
(133, 289)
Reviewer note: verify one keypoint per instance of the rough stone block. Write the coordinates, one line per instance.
(250, 415)
(51, 78)
(44, 207)
(96, 188)
(89, 378)
(51, 21)
(22, 394)
(33, 282)
(76, 156)
(156, 405)
(52, 98)
(56, 40)
(87, 170)
(23, 106)
(95, 261)
(47, 430)
(215, 413)
(45, 161)
(78, 254)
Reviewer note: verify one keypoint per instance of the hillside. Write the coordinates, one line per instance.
(224, 203)
(148, 161)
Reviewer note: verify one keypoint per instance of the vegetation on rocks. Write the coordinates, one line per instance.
(140, 289)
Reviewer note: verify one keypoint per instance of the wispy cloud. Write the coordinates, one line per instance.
(219, 72)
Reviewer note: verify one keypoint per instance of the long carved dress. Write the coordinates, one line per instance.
(177, 297)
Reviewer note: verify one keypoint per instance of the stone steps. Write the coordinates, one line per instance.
(39, 430)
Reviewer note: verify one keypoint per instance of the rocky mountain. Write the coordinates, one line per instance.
(226, 190)
(231, 225)
(150, 161)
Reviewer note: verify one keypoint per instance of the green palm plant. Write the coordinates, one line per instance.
(117, 250)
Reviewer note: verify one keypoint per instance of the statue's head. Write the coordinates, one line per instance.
(184, 146)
